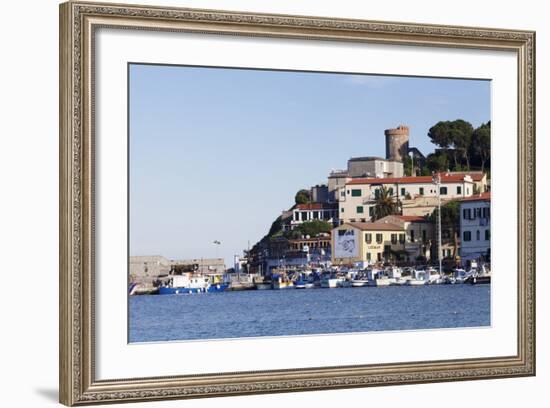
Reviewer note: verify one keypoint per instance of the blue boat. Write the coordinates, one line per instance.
(166, 290)
(190, 284)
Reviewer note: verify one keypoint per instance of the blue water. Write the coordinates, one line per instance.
(311, 311)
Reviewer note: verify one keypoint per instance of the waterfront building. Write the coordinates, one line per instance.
(314, 211)
(475, 227)
(318, 249)
(419, 235)
(367, 242)
(358, 197)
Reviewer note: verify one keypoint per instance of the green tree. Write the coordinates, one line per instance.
(311, 228)
(302, 197)
(385, 205)
(450, 221)
(481, 143)
(407, 166)
(455, 134)
(461, 135)
(436, 162)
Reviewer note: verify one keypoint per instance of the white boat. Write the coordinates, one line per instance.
(359, 283)
(418, 278)
(416, 282)
(384, 281)
(329, 282)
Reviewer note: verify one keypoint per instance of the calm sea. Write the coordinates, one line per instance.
(310, 311)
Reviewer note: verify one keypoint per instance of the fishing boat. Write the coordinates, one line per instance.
(418, 278)
(359, 282)
(281, 282)
(331, 280)
(483, 276)
(191, 284)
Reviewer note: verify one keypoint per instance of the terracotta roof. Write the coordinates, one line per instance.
(445, 178)
(479, 197)
(412, 218)
(317, 206)
(375, 226)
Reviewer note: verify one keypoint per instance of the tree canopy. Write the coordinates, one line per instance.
(302, 197)
(461, 146)
(311, 228)
(481, 144)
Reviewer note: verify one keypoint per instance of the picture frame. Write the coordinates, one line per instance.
(79, 22)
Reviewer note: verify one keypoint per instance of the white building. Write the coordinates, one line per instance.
(357, 198)
(314, 211)
(475, 227)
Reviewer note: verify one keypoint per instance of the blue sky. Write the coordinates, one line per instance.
(217, 154)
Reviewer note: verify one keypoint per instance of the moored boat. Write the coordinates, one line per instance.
(190, 284)
(359, 283)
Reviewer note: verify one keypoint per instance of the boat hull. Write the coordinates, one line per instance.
(182, 291)
(414, 282)
(478, 280)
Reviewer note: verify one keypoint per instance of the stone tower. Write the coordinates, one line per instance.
(397, 143)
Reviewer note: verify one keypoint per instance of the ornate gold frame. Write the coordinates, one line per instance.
(78, 21)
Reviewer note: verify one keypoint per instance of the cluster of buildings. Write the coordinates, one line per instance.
(348, 201)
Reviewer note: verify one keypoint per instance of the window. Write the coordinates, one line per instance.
(467, 235)
(359, 209)
(403, 191)
(421, 191)
(477, 235)
(464, 212)
(459, 190)
(379, 238)
(443, 190)
(379, 256)
(390, 191)
(342, 193)
(394, 239)
(478, 212)
(315, 215)
(487, 235)
(342, 209)
(368, 238)
(424, 239)
(368, 256)
(412, 235)
(377, 193)
(371, 211)
(401, 238)
(303, 216)
(356, 193)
